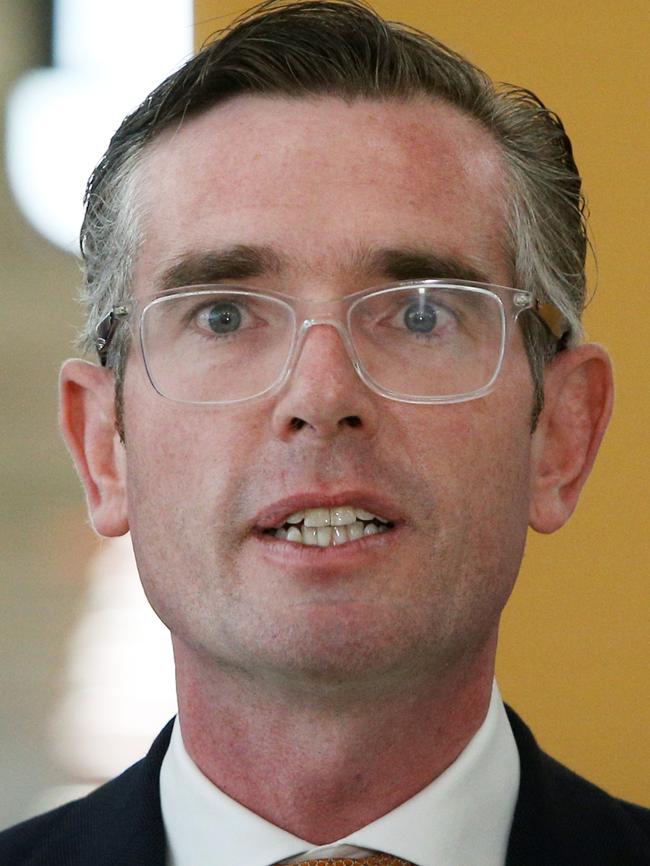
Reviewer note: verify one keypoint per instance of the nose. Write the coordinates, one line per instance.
(324, 397)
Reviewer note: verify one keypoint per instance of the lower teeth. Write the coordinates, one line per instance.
(328, 536)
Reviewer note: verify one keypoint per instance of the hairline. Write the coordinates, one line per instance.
(135, 164)
(514, 207)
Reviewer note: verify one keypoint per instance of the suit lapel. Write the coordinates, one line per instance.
(134, 817)
(532, 841)
(119, 823)
(563, 820)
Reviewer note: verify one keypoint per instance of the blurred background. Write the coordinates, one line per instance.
(85, 667)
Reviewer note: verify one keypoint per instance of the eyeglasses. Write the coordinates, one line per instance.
(430, 341)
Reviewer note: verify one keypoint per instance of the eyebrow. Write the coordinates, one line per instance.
(230, 263)
(417, 264)
(241, 261)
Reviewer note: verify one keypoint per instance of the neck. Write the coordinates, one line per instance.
(317, 765)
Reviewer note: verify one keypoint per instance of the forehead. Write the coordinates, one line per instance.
(322, 182)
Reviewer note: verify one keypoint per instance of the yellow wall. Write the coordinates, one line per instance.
(575, 654)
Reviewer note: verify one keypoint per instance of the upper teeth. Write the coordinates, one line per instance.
(340, 515)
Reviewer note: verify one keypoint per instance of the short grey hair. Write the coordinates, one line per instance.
(343, 48)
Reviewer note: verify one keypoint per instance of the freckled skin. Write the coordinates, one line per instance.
(317, 180)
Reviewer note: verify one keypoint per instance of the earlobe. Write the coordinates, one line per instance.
(87, 417)
(578, 392)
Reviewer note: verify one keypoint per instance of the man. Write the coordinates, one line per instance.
(335, 279)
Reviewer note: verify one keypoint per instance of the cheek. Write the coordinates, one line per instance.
(168, 466)
(477, 455)
(177, 496)
(187, 468)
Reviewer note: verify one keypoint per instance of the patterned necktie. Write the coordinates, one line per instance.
(370, 860)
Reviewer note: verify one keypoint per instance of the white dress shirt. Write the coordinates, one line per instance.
(462, 818)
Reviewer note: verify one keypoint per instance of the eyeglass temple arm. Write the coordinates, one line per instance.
(554, 320)
(105, 332)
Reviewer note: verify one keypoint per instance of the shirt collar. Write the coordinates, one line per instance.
(463, 816)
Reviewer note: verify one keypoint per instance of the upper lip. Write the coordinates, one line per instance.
(274, 515)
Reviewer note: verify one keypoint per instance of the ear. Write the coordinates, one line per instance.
(87, 418)
(578, 398)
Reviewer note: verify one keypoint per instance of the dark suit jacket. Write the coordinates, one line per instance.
(560, 820)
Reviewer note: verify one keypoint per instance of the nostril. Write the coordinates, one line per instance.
(349, 421)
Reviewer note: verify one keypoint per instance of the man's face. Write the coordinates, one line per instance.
(323, 184)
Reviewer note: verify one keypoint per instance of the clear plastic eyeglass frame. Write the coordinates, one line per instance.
(336, 313)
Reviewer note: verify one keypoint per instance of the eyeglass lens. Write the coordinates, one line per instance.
(417, 341)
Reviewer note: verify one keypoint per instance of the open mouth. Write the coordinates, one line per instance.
(329, 527)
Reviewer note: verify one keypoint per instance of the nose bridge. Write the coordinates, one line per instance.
(329, 315)
(324, 393)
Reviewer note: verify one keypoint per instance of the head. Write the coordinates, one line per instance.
(320, 134)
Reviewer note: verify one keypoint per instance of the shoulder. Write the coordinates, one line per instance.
(572, 820)
(21, 843)
(120, 822)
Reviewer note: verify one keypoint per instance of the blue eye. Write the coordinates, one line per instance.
(420, 318)
(224, 318)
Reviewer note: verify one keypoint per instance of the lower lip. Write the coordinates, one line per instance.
(293, 553)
